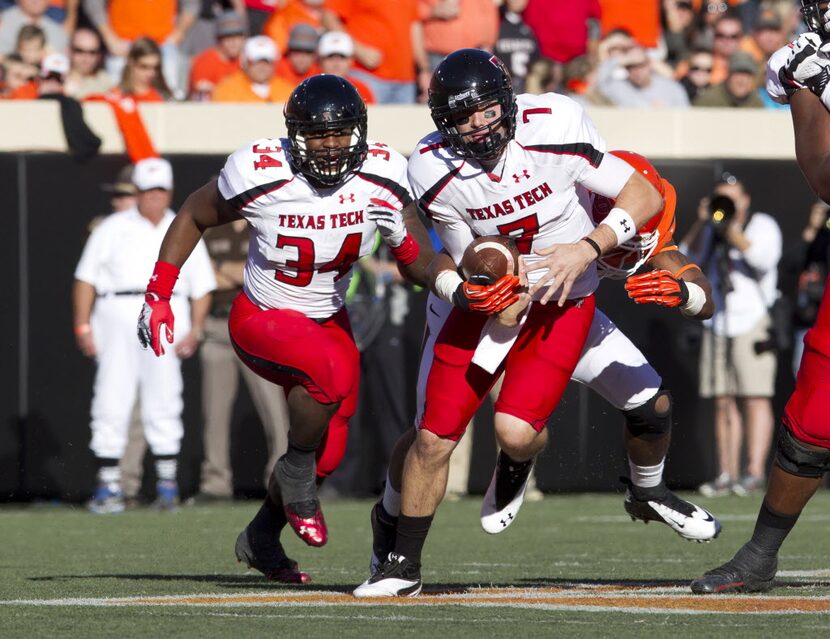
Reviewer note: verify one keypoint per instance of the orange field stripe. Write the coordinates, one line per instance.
(495, 597)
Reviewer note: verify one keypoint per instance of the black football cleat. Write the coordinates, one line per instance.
(264, 552)
(747, 571)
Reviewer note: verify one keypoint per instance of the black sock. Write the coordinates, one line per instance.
(384, 517)
(300, 458)
(269, 518)
(771, 529)
(412, 533)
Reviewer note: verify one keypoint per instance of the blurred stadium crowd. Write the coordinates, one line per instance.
(637, 53)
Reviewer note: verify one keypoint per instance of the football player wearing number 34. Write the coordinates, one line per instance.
(314, 202)
(503, 165)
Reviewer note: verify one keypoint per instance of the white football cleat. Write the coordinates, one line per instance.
(505, 494)
(396, 577)
(660, 504)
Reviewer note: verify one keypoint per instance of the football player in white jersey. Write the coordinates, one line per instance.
(798, 74)
(501, 165)
(612, 366)
(314, 202)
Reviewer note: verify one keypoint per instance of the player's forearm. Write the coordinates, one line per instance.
(811, 123)
(441, 263)
(416, 272)
(640, 199)
(696, 276)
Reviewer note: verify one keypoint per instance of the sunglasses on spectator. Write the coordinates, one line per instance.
(697, 68)
(144, 66)
(728, 36)
(684, 5)
(716, 7)
(81, 51)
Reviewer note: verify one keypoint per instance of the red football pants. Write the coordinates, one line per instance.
(807, 415)
(288, 348)
(536, 370)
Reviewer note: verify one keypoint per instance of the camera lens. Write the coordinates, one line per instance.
(721, 209)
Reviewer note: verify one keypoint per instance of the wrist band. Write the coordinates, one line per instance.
(163, 279)
(697, 298)
(619, 221)
(407, 251)
(676, 275)
(82, 329)
(446, 283)
(593, 245)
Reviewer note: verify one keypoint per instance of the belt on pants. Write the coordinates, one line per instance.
(123, 293)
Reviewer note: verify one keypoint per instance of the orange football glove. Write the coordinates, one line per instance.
(657, 287)
(489, 299)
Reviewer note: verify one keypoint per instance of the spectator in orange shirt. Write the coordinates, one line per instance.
(300, 59)
(16, 74)
(284, 18)
(166, 22)
(255, 81)
(142, 78)
(336, 54)
(641, 18)
(388, 45)
(458, 24)
(217, 63)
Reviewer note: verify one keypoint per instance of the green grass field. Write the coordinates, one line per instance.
(571, 566)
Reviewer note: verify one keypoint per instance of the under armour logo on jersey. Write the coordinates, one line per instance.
(524, 175)
(346, 198)
(153, 277)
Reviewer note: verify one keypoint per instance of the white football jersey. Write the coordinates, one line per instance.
(305, 240)
(531, 193)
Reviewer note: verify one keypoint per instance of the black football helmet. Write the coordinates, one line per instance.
(470, 78)
(325, 103)
(817, 17)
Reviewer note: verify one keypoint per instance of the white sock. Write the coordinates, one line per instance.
(646, 476)
(111, 476)
(391, 499)
(166, 469)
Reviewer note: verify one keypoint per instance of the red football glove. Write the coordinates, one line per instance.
(156, 314)
(489, 299)
(657, 287)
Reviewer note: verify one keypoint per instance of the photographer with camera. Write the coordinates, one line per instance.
(739, 251)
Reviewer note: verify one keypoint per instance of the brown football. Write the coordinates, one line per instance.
(490, 258)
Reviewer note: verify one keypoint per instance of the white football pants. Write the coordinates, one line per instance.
(124, 369)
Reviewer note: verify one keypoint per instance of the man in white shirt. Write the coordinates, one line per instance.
(740, 256)
(108, 291)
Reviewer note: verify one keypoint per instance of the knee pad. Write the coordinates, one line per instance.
(798, 459)
(649, 418)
